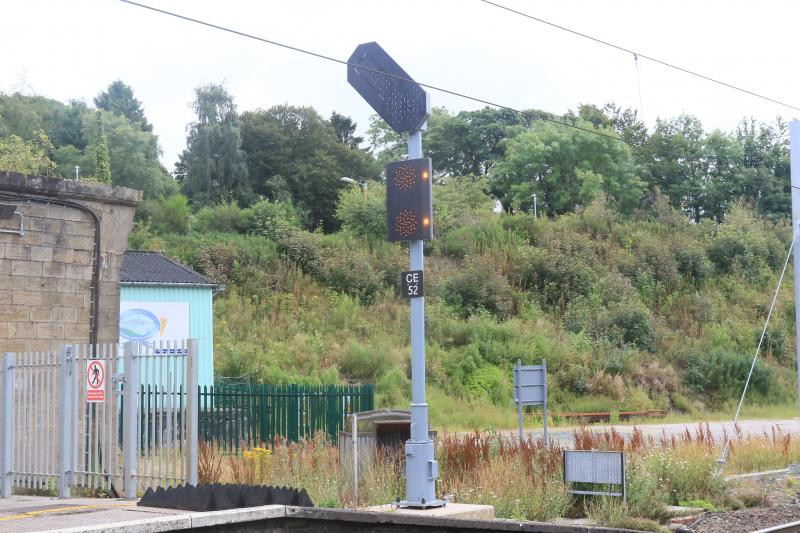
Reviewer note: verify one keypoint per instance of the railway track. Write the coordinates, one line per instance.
(789, 527)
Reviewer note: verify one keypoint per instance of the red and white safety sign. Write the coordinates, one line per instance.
(95, 381)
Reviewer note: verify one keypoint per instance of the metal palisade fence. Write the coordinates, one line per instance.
(76, 418)
(234, 416)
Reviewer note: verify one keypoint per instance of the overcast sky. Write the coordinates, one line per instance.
(74, 49)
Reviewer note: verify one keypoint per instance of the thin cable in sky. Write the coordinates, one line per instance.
(639, 54)
(533, 114)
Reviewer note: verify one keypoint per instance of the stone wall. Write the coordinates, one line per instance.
(47, 274)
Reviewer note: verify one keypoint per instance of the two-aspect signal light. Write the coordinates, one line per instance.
(409, 200)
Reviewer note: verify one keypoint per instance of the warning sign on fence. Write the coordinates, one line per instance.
(95, 381)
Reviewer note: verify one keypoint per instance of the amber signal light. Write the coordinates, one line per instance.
(408, 200)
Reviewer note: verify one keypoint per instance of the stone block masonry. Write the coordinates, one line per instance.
(47, 275)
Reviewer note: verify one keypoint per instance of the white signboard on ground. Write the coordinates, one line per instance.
(153, 322)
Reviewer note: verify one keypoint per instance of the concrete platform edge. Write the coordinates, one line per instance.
(269, 512)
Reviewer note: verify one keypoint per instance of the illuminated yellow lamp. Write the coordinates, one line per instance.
(424, 174)
(425, 221)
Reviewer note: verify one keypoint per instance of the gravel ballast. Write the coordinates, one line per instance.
(746, 520)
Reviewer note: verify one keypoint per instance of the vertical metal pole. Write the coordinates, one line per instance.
(66, 425)
(794, 149)
(518, 399)
(421, 467)
(130, 440)
(191, 413)
(544, 376)
(6, 424)
(355, 455)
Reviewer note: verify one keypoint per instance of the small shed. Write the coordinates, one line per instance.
(163, 300)
(378, 429)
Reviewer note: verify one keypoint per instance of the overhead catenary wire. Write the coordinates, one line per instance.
(724, 457)
(641, 55)
(526, 113)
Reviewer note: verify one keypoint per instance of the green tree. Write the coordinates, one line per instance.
(133, 156)
(167, 215)
(466, 144)
(676, 150)
(363, 213)
(385, 143)
(294, 152)
(71, 130)
(67, 128)
(471, 142)
(118, 99)
(26, 157)
(626, 122)
(102, 165)
(212, 169)
(22, 115)
(566, 168)
(765, 166)
(345, 130)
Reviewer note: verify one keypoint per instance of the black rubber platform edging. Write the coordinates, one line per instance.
(219, 497)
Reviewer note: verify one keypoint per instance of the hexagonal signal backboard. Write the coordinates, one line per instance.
(401, 102)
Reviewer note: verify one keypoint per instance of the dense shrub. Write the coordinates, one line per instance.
(655, 377)
(574, 378)
(391, 260)
(654, 269)
(222, 218)
(598, 218)
(626, 322)
(693, 262)
(475, 287)
(630, 323)
(491, 381)
(349, 272)
(559, 277)
(722, 374)
(460, 199)
(363, 214)
(742, 243)
(461, 365)
(619, 360)
(302, 248)
(777, 342)
(248, 262)
(480, 237)
(275, 220)
(587, 315)
(362, 362)
(167, 215)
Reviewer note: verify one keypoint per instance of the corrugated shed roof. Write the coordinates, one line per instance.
(153, 267)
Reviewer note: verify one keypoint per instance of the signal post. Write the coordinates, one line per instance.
(405, 106)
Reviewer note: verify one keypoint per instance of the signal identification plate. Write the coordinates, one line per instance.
(412, 282)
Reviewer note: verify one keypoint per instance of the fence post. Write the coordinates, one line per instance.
(191, 412)
(66, 412)
(130, 440)
(6, 424)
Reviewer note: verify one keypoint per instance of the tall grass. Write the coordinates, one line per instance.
(523, 478)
